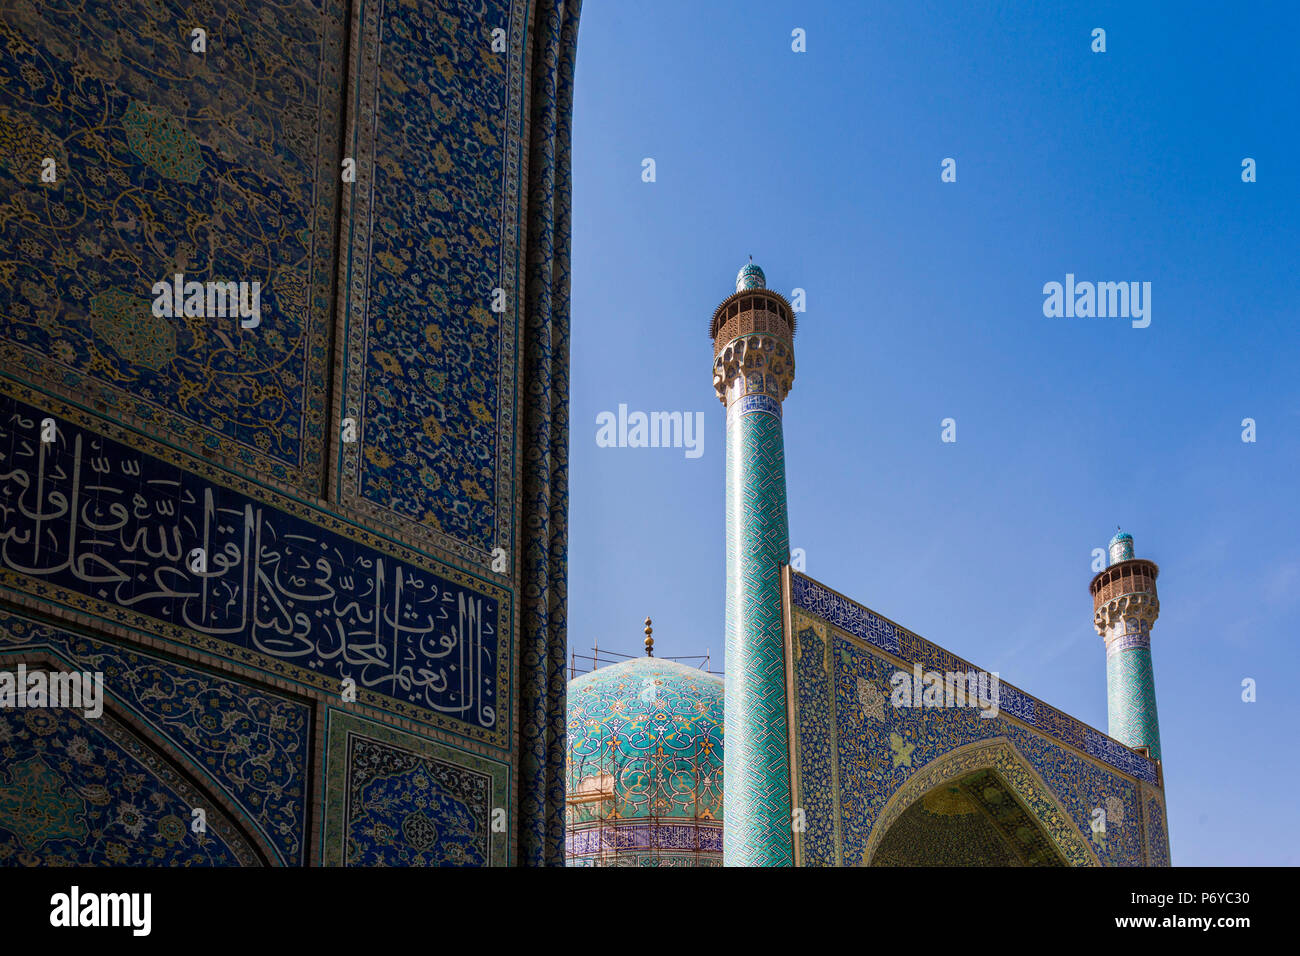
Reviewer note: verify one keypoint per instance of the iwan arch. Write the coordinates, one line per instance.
(979, 803)
(944, 785)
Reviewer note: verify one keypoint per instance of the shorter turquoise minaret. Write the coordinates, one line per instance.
(1125, 606)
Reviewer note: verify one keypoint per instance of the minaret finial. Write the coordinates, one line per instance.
(649, 640)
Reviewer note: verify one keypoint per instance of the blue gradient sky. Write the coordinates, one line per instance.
(925, 301)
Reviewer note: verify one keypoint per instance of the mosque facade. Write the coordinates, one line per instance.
(314, 547)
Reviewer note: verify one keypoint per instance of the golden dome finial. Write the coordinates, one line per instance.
(649, 641)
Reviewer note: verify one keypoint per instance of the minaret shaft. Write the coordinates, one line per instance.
(1131, 698)
(756, 772)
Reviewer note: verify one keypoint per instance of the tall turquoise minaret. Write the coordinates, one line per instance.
(1125, 605)
(753, 370)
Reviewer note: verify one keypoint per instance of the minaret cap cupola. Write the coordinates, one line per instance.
(750, 276)
(1121, 547)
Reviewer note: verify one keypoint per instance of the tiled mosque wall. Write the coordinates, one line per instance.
(319, 555)
(1044, 774)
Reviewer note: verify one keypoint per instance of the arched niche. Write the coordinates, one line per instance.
(107, 790)
(977, 805)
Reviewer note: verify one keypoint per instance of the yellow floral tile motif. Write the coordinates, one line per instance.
(432, 296)
(220, 167)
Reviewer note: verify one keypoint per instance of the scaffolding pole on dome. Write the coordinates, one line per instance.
(597, 657)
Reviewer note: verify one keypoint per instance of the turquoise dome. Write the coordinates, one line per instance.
(645, 759)
(750, 277)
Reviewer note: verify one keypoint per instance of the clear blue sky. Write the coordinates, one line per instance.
(924, 301)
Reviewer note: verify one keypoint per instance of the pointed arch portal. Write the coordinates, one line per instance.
(978, 805)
